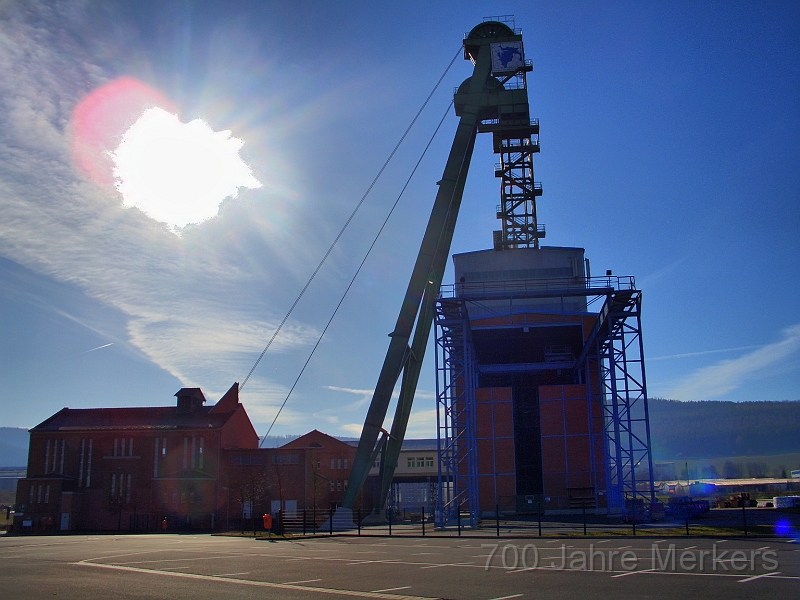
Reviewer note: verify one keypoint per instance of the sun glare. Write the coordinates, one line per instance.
(178, 173)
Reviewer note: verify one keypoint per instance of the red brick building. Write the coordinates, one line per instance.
(129, 468)
(309, 473)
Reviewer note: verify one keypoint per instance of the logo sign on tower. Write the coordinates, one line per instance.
(507, 57)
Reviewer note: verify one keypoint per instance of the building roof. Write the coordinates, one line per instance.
(420, 445)
(314, 439)
(147, 418)
(157, 417)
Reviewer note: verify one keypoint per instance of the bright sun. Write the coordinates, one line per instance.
(178, 173)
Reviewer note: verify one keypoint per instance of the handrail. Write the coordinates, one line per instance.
(555, 286)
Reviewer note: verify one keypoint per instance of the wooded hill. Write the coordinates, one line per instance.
(712, 429)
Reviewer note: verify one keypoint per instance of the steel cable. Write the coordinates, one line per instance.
(358, 270)
(347, 223)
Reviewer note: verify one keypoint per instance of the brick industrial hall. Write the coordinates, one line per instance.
(191, 465)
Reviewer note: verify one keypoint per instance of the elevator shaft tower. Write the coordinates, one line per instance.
(493, 99)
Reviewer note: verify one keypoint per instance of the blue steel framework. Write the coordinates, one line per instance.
(615, 350)
(456, 382)
(611, 364)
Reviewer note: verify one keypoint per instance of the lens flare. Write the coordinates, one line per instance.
(101, 118)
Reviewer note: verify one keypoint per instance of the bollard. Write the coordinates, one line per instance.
(330, 521)
(423, 521)
(540, 522)
(459, 521)
(314, 519)
(358, 518)
(390, 522)
(304, 522)
(497, 518)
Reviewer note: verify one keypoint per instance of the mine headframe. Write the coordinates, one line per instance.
(494, 99)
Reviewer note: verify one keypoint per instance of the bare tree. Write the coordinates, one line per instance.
(249, 484)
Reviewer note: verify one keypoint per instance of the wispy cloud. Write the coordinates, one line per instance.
(701, 353)
(719, 379)
(200, 306)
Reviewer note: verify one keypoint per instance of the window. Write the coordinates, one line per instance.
(420, 461)
(122, 453)
(183, 497)
(411, 463)
(246, 459)
(128, 493)
(155, 459)
(113, 483)
(47, 494)
(345, 485)
(338, 463)
(39, 494)
(116, 441)
(80, 469)
(202, 444)
(429, 461)
(332, 486)
(338, 485)
(32, 490)
(163, 446)
(174, 497)
(319, 464)
(130, 447)
(89, 465)
(332, 464)
(345, 463)
(285, 459)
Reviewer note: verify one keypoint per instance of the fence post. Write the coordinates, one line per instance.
(497, 518)
(314, 518)
(458, 508)
(330, 520)
(304, 522)
(540, 521)
(583, 504)
(358, 518)
(423, 521)
(390, 522)
(744, 515)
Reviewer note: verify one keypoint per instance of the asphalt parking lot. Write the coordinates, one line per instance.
(204, 566)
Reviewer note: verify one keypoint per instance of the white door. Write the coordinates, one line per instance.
(276, 506)
(64, 521)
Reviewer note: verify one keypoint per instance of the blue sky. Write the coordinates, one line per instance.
(669, 151)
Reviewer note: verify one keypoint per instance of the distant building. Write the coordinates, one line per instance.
(130, 468)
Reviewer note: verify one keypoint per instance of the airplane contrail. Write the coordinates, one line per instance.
(98, 348)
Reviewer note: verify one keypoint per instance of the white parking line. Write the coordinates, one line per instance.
(405, 587)
(266, 584)
(632, 573)
(507, 597)
(758, 576)
(301, 581)
(230, 574)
